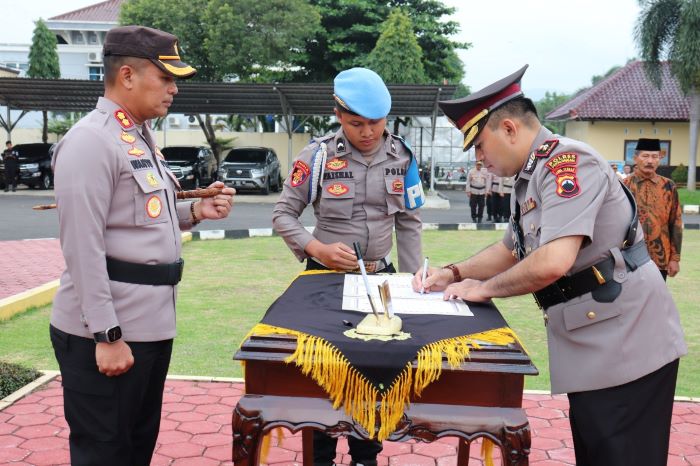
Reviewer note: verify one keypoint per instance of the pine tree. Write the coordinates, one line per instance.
(397, 57)
(43, 61)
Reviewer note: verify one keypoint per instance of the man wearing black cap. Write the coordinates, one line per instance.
(574, 241)
(10, 158)
(659, 207)
(113, 317)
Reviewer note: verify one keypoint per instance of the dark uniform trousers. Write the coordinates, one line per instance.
(502, 207)
(476, 204)
(490, 212)
(362, 451)
(642, 408)
(119, 423)
(11, 174)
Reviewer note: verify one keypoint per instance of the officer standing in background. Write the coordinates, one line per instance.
(574, 241)
(363, 183)
(10, 158)
(659, 207)
(493, 183)
(476, 190)
(113, 317)
(504, 191)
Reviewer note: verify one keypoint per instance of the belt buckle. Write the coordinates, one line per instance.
(181, 267)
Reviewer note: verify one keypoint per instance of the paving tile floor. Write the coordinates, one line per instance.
(32, 263)
(196, 430)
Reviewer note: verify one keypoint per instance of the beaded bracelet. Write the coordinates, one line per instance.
(455, 272)
(195, 220)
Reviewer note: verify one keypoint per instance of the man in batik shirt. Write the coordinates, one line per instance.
(659, 208)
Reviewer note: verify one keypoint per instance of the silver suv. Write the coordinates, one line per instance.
(255, 168)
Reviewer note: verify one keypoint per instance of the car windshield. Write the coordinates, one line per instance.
(32, 151)
(180, 153)
(245, 156)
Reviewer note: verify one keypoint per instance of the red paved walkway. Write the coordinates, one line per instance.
(26, 264)
(196, 430)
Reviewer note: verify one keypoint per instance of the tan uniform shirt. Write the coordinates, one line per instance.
(477, 180)
(357, 201)
(494, 183)
(506, 185)
(115, 198)
(594, 345)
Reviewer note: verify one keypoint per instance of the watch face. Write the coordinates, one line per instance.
(114, 334)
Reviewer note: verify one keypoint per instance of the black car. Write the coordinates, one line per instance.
(255, 168)
(194, 166)
(34, 165)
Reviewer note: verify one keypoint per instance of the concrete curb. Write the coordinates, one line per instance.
(35, 297)
(27, 389)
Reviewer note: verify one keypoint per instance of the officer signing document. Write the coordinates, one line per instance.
(113, 318)
(575, 242)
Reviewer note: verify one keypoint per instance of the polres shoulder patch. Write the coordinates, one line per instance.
(564, 167)
(300, 173)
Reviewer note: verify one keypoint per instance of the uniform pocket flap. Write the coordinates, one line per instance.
(87, 381)
(148, 181)
(394, 185)
(588, 312)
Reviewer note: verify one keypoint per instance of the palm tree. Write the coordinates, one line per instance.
(670, 29)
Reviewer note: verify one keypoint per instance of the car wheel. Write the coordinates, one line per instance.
(45, 181)
(278, 186)
(265, 190)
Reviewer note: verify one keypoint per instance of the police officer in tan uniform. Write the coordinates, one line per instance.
(494, 185)
(505, 188)
(362, 183)
(113, 317)
(574, 241)
(476, 190)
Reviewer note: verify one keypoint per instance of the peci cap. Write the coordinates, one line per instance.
(651, 145)
(469, 114)
(143, 42)
(362, 91)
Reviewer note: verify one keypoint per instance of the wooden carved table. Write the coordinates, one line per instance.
(481, 398)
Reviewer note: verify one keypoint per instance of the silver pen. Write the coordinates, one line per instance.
(361, 263)
(425, 275)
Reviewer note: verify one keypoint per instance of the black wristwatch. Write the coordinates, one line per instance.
(110, 335)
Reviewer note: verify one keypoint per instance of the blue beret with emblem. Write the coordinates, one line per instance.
(362, 91)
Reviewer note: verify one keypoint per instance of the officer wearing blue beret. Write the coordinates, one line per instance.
(362, 183)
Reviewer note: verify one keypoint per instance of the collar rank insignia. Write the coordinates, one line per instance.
(150, 177)
(546, 148)
(531, 163)
(527, 206)
(123, 119)
(300, 172)
(397, 186)
(127, 138)
(135, 151)
(153, 206)
(159, 154)
(336, 164)
(340, 145)
(337, 189)
(393, 147)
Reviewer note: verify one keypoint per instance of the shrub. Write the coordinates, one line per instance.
(680, 174)
(13, 377)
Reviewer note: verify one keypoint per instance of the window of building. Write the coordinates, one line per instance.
(77, 37)
(665, 152)
(96, 73)
(92, 37)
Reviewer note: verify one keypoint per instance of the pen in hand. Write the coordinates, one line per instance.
(425, 275)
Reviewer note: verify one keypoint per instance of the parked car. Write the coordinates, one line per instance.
(256, 168)
(34, 165)
(194, 166)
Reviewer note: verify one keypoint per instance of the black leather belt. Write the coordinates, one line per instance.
(145, 274)
(587, 280)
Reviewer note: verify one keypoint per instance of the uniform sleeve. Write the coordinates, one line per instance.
(675, 226)
(184, 216)
(572, 193)
(292, 202)
(408, 240)
(86, 173)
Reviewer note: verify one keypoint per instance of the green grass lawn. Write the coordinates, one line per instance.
(688, 197)
(228, 285)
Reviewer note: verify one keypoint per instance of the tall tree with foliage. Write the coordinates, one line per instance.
(43, 62)
(229, 39)
(397, 57)
(546, 104)
(670, 30)
(350, 30)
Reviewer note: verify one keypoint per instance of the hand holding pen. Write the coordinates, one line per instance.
(361, 263)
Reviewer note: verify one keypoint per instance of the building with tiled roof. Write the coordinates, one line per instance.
(103, 12)
(612, 115)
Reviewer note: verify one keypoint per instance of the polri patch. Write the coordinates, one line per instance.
(336, 164)
(397, 186)
(154, 207)
(123, 119)
(300, 173)
(337, 189)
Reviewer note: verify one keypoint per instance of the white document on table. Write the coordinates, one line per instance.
(404, 299)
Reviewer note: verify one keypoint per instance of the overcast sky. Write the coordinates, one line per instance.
(565, 42)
